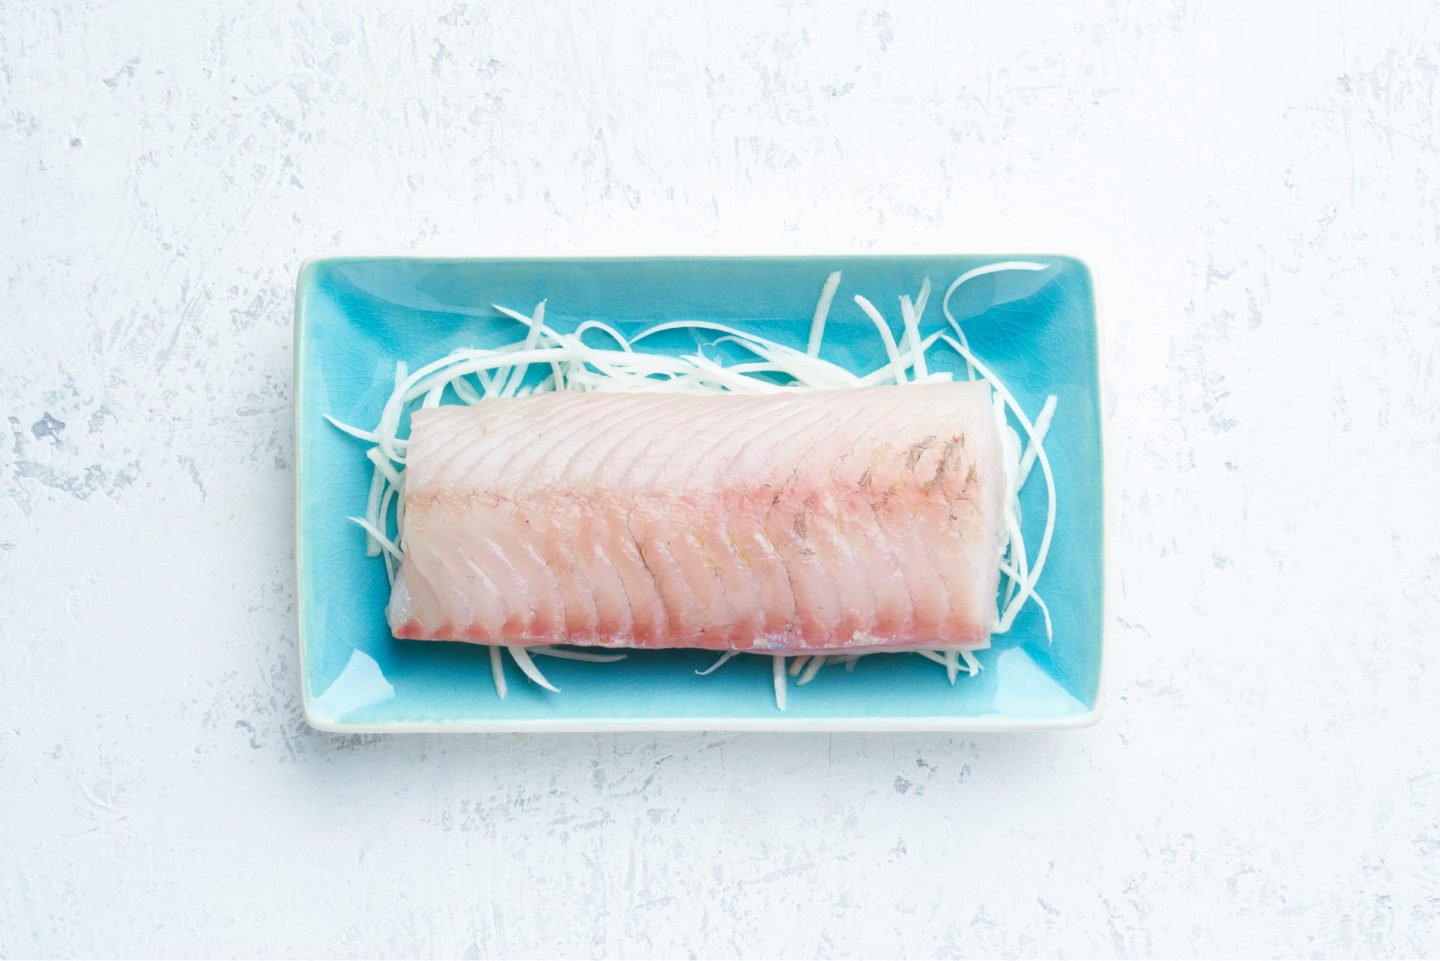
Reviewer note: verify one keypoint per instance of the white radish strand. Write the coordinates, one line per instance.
(372, 509)
(389, 424)
(385, 543)
(391, 557)
(384, 467)
(1027, 585)
(1022, 474)
(560, 653)
(497, 670)
(822, 311)
(972, 663)
(1042, 427)
(522, 658)
(970, 275)
(532, 340)
(885, 375)
(1015, 577)
(808, 371)
(465, 392)
(576, 365)
(724, 659)
(811, 669)
(605, 328)
(911, 314)
(355, 432)
(883, 327)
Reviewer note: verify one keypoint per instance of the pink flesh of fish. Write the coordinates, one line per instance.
(806, 521)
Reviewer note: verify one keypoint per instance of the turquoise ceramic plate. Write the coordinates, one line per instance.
(357, 316)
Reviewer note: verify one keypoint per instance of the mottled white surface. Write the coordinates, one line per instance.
(1256, 188)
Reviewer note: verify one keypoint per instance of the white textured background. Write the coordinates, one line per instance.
(1257, 192)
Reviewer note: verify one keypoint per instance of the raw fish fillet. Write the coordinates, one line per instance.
(801, 521)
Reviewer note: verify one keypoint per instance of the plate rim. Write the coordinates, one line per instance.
(937, 724)
(720, 724)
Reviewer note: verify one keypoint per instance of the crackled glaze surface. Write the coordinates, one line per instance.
(356, 316)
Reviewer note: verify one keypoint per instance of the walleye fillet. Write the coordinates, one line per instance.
(802, 521)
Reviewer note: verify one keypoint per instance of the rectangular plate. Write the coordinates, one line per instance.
(355, 317)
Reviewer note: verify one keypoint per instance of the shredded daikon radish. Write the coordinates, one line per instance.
(497, 670)
(391, 496)
(822, 311)
(952, 665)
(724, 658)
(614, 334)
(970, 275)
(532, 340)
(811, 669)
(355, 432)
(522, 658)
(882, 326)
(1027, 584)
(621, 366)
(885, 375)
(1042, 426)
(392, 476)
(380, 538)
(911, 313)
(372, 509)
(560, 653)
(971, 661)
(465, 392)
(390, 421)
(1034, 596)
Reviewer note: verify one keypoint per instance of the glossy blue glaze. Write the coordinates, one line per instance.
(357, 316)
